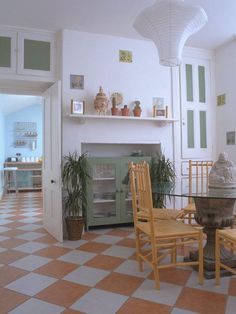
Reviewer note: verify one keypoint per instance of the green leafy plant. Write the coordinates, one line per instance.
(161, 170)
(75, 176)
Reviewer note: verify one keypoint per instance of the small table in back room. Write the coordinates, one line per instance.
(214, 209)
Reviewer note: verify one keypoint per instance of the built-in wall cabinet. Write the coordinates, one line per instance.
(109, 196)
(27, 53)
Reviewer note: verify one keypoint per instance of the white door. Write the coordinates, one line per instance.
(52, 195)
(196, 109)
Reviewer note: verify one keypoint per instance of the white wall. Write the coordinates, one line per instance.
(225, 84)
(2, 151)
(97, 58)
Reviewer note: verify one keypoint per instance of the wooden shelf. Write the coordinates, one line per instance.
(82, 118)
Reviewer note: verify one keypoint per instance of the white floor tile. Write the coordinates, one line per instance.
(168, 293)
(31, 247)
(86, 275)
(5, 221)
(4, 229)
(108, 239)
(2, 238)
(30, 220)
(231, 305)
(119, 251)
(31, 284)
(71, 244)
(99, 302)
(37, 307)
(31, 262)
(29, 227)
(130, 267)
(181, 311)
(2, 215)
(30, 236)
(208, 284)
(77, 257)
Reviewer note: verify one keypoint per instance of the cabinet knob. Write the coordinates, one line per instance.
(53, 181)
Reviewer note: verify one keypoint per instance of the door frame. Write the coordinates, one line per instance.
(34, 88)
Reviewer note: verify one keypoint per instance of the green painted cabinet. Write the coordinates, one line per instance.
(27, 53)
(109, 199)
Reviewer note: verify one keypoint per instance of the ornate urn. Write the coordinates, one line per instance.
(222, 174)
(101, 102)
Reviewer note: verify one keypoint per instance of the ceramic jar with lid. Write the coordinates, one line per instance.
(101, 101)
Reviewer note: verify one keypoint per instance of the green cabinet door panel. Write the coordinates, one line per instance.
(202, 84)
(190, 128)
(189, 82)
(37, 55)
(5, 52)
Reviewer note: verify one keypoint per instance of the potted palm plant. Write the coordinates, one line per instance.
(161, 170)
(75, 175)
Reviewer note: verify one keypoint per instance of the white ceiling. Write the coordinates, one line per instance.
(113, 17)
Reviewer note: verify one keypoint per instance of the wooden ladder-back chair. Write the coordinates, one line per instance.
(226, 239)
(198, 176)
(157, 239)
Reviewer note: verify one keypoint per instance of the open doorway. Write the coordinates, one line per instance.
(51, 165)
(22, 141)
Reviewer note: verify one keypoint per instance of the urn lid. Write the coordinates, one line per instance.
(101, 93)
(223, 173)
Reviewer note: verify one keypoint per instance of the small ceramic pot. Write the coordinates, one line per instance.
(125, 111)
(114, 111)
(137, 112)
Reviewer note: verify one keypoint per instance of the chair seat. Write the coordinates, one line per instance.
(168, 228)
(190, 208)
(228, 233)
(163, 213)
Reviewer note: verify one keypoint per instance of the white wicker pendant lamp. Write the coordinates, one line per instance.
(169, 23)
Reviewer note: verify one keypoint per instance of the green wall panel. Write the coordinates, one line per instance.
(202, 84)
(190, 128)
(189, 81)
(5, 52)
(36, 55)
(203, 131)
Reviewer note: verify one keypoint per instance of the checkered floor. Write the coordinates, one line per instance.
(96, 275)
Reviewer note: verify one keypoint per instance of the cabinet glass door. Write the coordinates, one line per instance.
(125, 195)
(36, 54)
(7, 51)
(104, 193)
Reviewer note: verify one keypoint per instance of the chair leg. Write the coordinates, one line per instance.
(200, 259)
(155, 265)
(174, 253)
(138, 250)
(217, 259)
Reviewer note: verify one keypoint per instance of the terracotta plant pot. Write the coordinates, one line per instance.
(114, 111)
(75, 227)
(125, 111)
(137, 112)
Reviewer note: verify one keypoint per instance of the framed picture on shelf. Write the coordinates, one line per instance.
(159, 112)
(77, 107)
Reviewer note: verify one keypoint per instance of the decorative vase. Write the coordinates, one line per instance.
(137, 112)
(125, 111)
(137, 109)
(101, 102)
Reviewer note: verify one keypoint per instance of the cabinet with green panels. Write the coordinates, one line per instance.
(109, 200)
(27, 53)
